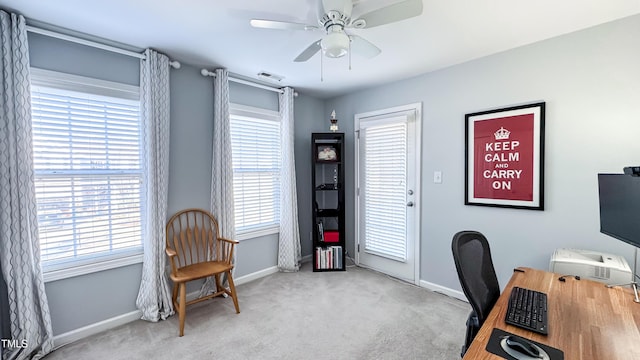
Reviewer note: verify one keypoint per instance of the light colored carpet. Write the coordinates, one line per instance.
(357, 314)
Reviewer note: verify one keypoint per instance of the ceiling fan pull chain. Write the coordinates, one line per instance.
(321, 68)
(349, 53)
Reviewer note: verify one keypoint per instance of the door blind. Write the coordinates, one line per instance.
(385, 171)
(88, 174)
(256, 172)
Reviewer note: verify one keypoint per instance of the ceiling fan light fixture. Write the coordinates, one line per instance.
(335, 44)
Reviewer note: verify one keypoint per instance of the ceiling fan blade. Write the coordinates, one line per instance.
(392, 13)
(308, 52)
(363, 47)
(280, 25)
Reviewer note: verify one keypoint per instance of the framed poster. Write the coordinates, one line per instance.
(504, 157)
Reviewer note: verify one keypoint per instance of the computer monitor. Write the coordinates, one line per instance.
(619, 196)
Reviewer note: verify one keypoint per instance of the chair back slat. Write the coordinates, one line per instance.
(211, 244)
(194, 235)
(197, 224)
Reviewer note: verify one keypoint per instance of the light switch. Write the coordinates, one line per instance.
(437, 177)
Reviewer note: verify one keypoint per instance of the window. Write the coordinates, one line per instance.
(89, 176)
(255, 142)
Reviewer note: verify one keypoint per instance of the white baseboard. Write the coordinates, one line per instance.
(262, 273)
(443, 290)
(92, 329)
(255, 275)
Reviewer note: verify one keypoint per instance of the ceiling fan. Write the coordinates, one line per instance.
(334, 17)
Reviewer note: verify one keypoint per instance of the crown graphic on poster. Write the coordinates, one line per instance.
(502, 134)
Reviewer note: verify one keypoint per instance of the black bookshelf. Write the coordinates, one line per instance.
(327, 151)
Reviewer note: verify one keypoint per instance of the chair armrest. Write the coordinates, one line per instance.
(234, 242)
(227, 249)
(172, 254)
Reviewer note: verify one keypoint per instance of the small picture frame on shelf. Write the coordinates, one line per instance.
(325, 152)
(320, 232)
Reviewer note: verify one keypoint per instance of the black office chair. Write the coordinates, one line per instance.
(477, 277)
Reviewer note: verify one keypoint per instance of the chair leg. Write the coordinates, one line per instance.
(174, 296)
(218, 283)
(182, 307)
(232, 287)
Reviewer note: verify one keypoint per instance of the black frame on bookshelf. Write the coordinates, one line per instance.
(328, 201)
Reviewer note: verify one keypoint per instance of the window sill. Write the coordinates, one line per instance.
(252, 234)
(59, 274)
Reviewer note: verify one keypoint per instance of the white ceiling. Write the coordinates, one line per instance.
(214, 33)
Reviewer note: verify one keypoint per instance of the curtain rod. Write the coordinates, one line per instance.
(53, 34)
(206, 72)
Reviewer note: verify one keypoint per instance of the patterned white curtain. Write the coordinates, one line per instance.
(222, 205)
(154, 297)
(29, 317)
(289, 252)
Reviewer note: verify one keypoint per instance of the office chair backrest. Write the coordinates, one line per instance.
(477, 276)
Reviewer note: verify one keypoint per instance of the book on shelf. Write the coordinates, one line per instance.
(329, 257)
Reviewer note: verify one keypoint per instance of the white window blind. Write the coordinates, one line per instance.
(88, 171)
(385, 188)
(255, 142)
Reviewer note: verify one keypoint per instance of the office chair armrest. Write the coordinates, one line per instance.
(473, 320)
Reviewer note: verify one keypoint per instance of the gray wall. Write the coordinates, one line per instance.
(83, 300)
(190, 154)
(310, 117)
(590, 81)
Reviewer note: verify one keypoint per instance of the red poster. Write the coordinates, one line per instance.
(504, 158)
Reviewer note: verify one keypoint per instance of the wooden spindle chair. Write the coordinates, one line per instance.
(197, 251)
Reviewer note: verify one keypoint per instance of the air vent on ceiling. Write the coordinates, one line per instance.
(269, 76)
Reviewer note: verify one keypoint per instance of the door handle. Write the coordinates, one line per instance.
(410, 204)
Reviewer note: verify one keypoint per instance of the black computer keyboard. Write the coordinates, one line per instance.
(528, 309)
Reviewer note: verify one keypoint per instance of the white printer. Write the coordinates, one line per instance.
(592, 265)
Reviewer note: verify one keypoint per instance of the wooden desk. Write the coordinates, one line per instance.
(587, 320)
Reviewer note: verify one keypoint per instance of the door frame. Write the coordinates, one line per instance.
(417, 108)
